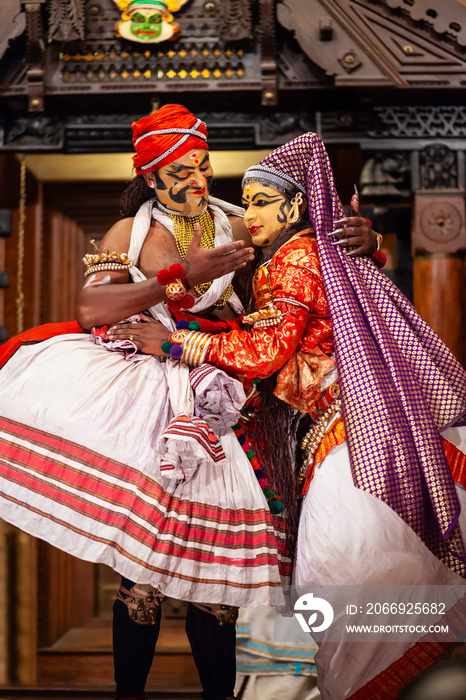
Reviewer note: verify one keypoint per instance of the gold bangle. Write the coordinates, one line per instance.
(107, 266)
(195, 347)
(379, 241)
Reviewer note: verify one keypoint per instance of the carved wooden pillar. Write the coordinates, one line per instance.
(439, 244)
(269, 79)
(18, 607)
(64, 267)
(35, 55)
(5, 231)
(25, 604)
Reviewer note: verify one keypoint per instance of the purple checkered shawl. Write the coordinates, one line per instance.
(399, 383)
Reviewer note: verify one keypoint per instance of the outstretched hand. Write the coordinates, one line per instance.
(149, 335)
(207, 264)
(354, 233)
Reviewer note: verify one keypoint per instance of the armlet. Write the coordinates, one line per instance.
(96, 262)
(267, 313)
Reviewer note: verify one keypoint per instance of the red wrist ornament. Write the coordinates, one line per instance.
(379, 258)
(176, 284)
(368, 221)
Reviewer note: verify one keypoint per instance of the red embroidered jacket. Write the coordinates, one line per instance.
(300, 347)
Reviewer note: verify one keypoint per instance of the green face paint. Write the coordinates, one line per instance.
(146, 25)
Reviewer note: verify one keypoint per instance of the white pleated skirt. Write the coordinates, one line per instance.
(80, 468)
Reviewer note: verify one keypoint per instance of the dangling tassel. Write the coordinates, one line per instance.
(294, 215)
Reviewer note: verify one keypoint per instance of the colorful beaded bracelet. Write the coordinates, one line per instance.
(174, 345)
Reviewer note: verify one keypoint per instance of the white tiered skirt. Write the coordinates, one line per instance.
(80, 468)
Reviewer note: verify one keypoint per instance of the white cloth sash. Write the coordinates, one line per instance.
(223, 234)
(177, 374)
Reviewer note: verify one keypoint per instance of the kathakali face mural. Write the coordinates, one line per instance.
(148, 21)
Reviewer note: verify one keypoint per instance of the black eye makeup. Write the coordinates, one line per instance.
(265, 202)
(180, 177)
(262, 199)
(180, 172)
(177, 171)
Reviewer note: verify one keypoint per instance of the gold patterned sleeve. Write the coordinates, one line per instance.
(260, 352)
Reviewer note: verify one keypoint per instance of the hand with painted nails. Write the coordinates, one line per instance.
(354, 234)
(206, 264)
(148, 335)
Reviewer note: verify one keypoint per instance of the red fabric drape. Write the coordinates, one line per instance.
(35, 335)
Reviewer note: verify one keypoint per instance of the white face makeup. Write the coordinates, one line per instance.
(265, 215)
(184, 185)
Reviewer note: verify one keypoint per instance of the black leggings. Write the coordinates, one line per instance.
(213, 649)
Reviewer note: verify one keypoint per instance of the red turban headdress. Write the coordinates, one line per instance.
(166, 135)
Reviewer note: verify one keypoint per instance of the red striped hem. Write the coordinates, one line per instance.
(198, 374)
(171, 527)
(143, 562)
(185, 427)
(144, 483)
(388, 684)
(162, 546)
(113, 495)
(108, 466)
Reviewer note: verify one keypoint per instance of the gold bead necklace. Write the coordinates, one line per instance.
(183, 231)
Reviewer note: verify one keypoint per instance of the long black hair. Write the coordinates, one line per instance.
(136, 193)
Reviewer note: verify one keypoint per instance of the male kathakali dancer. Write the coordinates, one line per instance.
(127, 459)
(379, 401)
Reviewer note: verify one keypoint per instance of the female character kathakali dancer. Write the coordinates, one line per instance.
(380, 399)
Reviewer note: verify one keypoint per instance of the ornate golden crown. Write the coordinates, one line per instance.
(172, 5)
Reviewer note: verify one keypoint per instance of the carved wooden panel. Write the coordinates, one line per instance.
(66, 20)
(380, 42)
(69, 47)
(326, 31)
(445, 18)
(439, 222)
(428, 121)
(212, 52)
(12, 23)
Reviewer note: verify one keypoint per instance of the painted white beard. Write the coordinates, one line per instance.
(177, 212)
